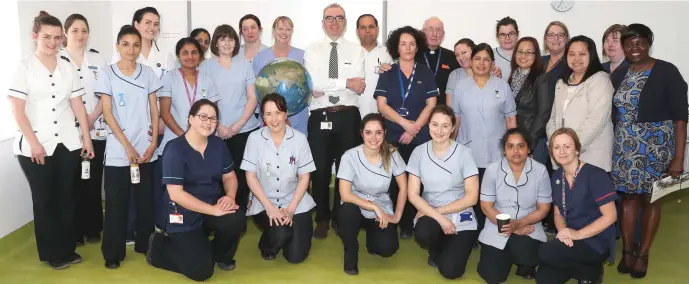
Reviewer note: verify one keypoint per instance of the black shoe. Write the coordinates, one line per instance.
(80, 242)
(321, 231)
(58, 265)
(73, 258)
(526, 272)
(227, 267)
(114, 264)
(352, 271)
(623, 268)
(149, 252)
(268, 256)
(637, 274)
(405, 235)
(431, 263)
(93, 239)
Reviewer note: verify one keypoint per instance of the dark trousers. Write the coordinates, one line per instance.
(559, 263)
(382, 242)
(52, 186)
(117, 191)
(236, 145)
(295, 241)
(88, 201)
(192, 254)
(449, 252)
(328, 146)
(407, 220)
(159, 206)
(495, 264)
(480, 217)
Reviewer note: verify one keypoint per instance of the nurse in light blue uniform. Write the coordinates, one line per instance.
(128, 91)
(446, 223)
(234, 79)
(365, 174)
(181, 89)
(278, 164)
(283, 28)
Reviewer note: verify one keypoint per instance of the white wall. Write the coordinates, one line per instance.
(15, 201)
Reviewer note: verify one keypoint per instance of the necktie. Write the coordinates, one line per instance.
(332, 69)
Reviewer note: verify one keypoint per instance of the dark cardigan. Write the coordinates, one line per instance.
(663, 97)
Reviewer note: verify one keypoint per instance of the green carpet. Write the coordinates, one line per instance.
(19, 262)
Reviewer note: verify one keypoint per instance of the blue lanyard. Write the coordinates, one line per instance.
(411, 80)
(437, 63)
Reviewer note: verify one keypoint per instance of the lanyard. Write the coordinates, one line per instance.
(437, 63)
(564, 197)
(411, 80)
(186, 87)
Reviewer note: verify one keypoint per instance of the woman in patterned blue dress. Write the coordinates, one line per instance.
(650, 116)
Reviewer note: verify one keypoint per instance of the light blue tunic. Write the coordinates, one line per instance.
(482, 115)
(130, 108)
(173, 88)
(231, 85)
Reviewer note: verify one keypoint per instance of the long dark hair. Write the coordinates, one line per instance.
(386, 150)
(594, 62)
(537, 66)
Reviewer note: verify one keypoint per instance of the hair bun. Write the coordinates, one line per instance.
(126, 27)
(43, 14)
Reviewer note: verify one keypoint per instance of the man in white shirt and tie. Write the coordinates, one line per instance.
(376, 55)
(337, 71)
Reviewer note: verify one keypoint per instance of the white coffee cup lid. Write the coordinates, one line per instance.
(503, 216)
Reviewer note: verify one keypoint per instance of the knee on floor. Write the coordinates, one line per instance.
(451, 272)
(296, 258)
(201, 275)
(388, 250)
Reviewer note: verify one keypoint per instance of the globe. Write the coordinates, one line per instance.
(288, 78)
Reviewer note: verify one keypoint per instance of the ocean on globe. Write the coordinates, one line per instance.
(288, 78)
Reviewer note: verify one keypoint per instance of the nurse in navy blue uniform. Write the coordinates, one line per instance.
(195, 164)
(446, 222)
(406, 95)
(365, 174)
(585, 212)
(128, 92)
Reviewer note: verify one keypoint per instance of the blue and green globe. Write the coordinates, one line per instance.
(287, 78)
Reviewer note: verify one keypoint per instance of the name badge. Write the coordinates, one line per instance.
(150, 133)
(376, 69)
(176, 218)
(404, 112)
(326, 125)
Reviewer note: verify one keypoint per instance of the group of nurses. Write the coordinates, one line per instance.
(128, 93)
(46, 100)
(88, 221)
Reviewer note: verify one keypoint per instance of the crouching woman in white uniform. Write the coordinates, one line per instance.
(278, 163)
(518, 186)
(446, 222)
(365, 173)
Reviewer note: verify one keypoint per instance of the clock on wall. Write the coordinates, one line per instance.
(562, 6)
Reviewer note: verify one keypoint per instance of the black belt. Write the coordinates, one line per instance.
(334, 108)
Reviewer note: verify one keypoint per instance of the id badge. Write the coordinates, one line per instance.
(326, 125)
(176, 218)
(376, 69)
(403, 111)
(150, 133)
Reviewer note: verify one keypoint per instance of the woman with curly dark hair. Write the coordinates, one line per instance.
(406, 95)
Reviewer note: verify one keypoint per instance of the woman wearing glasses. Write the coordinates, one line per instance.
(555, 37)
(532, 95)
(507, 33)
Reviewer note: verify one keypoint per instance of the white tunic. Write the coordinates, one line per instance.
(377, 56)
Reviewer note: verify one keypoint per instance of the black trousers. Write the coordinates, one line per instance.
(328, 146)
(117, 191)
(295, 241)
(559, 263)
(495, 264)
(382, 242)
(480, 217)
(449, 252)
(158, 188)
(52, 186)
(192, 254)
(236, 145)
(407, 221)
(88, 201)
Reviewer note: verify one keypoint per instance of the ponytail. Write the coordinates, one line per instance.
(386, 151)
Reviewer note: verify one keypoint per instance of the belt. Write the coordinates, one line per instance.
(334, 108)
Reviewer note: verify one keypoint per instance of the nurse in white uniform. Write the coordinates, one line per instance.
(128, 92)
(365, 174)
(181, 89)
(88, 63)
(517, 186)
(278, 164)
(234, 79)
(45, 96)
(446, 223)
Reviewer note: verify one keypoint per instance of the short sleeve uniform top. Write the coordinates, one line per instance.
(370, 181)
(443, 178)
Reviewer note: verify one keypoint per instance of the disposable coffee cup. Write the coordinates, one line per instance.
(503, 219)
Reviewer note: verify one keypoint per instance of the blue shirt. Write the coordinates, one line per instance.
(423, 87)
(199, 176)
(592, 189)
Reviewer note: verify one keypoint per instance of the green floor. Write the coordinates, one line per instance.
(19, 262)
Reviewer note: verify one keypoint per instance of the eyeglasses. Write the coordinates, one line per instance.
(330, 19)
(504, 35)
(556, 36)
(205, 117)
(525, 53)
(434, 30)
